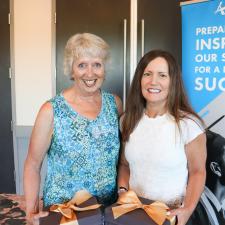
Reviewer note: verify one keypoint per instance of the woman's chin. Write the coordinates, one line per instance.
(92, 89)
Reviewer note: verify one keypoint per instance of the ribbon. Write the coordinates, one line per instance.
(68, 209)
(128, 201)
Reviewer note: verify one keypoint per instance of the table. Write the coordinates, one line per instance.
(12, 209)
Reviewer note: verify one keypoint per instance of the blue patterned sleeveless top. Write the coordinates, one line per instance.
(83, 153)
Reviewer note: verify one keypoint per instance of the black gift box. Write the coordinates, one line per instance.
(135, 217)
(89, 217)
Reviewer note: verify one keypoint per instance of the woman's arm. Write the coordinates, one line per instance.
(196, 157)
(123, 171)
(39, 144)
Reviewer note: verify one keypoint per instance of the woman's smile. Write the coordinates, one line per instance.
(90, 83)
(153, 90)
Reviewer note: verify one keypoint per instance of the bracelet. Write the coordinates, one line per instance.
(122, 189)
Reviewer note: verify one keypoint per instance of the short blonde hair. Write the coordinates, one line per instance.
(81, 45)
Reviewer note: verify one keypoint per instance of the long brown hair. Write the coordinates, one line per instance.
(177, 100)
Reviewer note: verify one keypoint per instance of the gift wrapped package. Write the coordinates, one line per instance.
(131, 210)
(83, 209)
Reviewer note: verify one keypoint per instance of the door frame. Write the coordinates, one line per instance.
(13, 95)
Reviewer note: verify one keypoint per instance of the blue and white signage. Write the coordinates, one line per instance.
(203, 55)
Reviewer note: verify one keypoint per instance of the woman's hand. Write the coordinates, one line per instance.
(182, 214)
(33, 219)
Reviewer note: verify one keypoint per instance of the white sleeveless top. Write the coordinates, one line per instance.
(156, 156)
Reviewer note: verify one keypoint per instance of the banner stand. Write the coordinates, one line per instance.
(203, 71)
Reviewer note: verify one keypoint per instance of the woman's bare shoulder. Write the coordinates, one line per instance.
(119, 104)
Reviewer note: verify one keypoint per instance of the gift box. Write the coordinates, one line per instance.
(131, 210)
(83, 209)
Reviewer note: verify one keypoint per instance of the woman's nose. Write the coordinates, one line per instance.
(153, 79)
(90, 70)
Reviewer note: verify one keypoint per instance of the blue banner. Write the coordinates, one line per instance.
(203, 56)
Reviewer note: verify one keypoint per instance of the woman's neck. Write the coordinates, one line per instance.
(152, 111)
(75, 94)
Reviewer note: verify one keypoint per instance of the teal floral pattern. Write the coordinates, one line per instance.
(83, 153)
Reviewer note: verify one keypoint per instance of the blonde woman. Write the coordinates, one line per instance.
(78, 130)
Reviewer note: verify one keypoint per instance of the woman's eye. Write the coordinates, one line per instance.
(163, 75)
(81, 65)
(146, 74)
(97, 65)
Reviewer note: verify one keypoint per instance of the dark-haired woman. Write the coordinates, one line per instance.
(164, 142)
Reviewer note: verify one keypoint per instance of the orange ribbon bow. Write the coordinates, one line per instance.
(68, 209)
(129, 201)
